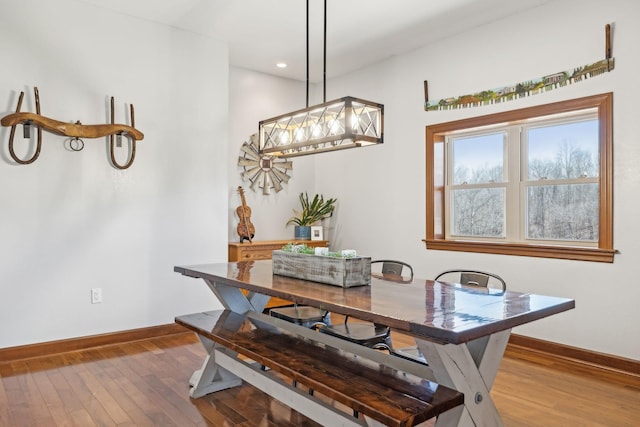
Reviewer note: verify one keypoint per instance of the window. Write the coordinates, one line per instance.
(533, 182)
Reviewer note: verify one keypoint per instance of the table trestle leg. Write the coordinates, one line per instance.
(470, 369)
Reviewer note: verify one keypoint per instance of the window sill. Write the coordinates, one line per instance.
(558, 252)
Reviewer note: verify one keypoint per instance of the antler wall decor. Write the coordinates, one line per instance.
(76, 131)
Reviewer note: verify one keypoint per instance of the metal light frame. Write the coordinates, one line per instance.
(343, 123)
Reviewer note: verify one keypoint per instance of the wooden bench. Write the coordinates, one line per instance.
(379, 393)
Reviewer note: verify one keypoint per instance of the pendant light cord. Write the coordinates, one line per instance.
(324, 55)
(324, 71)
(307, 53)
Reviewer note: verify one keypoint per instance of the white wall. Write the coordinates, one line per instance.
(381, 190)
(70, 222)
(253, 97)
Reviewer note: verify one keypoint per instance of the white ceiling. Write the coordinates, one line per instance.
(261, 33)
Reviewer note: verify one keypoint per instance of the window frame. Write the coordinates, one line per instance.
(435, 184)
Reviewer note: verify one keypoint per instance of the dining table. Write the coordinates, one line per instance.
(462, 331)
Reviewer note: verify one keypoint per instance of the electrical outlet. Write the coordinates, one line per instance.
(96, 295)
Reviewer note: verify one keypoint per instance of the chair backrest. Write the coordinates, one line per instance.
(473, 278)
(398, 268)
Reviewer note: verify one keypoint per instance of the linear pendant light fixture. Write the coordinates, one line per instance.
(343, 123)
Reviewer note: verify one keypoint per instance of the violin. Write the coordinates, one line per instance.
(246, 230)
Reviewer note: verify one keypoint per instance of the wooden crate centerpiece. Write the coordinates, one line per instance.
(332, 270)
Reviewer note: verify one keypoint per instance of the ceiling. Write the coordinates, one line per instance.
(261, 33)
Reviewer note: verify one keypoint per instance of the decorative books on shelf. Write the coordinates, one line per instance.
(345, 271)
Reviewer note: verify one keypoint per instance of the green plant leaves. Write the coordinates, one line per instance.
(312, 211)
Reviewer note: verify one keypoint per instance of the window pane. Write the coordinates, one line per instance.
(563, 212)
(563, 151)
(478, 212)
(568, 215)
(478, 159)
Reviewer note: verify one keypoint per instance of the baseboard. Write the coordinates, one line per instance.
(519, 346)
(82, 343)
(606, 364)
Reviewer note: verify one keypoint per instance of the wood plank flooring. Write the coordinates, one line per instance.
(145, 383)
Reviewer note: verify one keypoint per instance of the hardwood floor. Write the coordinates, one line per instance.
(145, 383)
(535, 392)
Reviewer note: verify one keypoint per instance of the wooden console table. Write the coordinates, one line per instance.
(262, 249)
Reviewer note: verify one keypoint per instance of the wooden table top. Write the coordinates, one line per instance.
(437, 311)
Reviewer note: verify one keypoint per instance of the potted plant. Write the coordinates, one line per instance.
(312, 212)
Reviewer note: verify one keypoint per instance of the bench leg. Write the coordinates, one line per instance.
(452, 418)
(470, 369)
(211, 377)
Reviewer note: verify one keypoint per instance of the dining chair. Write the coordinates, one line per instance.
(304, 315)
(464, 277)
(397, 271)
(472, 278)
(370, 334)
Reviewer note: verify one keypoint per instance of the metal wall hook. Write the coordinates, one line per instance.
(119, 138)
(26, 131)
(113, 157)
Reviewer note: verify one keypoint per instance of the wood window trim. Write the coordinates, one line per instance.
(435, 239)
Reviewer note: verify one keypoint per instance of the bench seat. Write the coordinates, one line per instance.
(381, 393)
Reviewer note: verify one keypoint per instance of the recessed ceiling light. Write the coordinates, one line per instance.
(281, 65)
